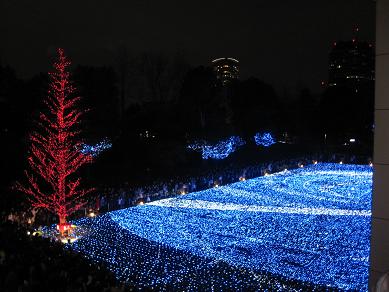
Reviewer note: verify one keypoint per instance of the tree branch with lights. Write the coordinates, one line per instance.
(54, 153)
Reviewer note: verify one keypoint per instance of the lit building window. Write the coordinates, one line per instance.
(226, 69)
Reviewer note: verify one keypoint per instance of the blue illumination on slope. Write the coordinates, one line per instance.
(264, 139)
(219, 151)
(310, 224)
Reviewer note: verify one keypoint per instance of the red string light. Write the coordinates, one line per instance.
(54, 156)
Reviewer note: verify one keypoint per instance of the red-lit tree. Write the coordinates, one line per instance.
(54, 153)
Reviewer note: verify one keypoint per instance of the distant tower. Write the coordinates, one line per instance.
(351, 63)
(226, 69)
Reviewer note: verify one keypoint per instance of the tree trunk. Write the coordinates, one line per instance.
(62, 219)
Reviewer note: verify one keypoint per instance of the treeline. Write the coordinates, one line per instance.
(152, 105)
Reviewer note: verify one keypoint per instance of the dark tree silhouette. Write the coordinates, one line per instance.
(97, 86)
(256, 106)
(200, 100)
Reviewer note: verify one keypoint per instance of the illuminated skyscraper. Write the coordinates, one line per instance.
(351, 63)
(226, 69)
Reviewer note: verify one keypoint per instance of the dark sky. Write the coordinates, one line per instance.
(284, 42)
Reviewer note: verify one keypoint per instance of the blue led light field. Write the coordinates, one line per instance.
(310, 224)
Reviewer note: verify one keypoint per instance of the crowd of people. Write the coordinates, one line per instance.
(34, 263)
(113, 198)
(110, 198)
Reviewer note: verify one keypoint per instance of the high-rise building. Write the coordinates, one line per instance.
(351, 63)
(379, 244)
(226, 69)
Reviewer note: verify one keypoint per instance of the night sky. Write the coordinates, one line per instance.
(285, 43)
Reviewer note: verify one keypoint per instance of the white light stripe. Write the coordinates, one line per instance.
(201, 204)
(227, 58)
